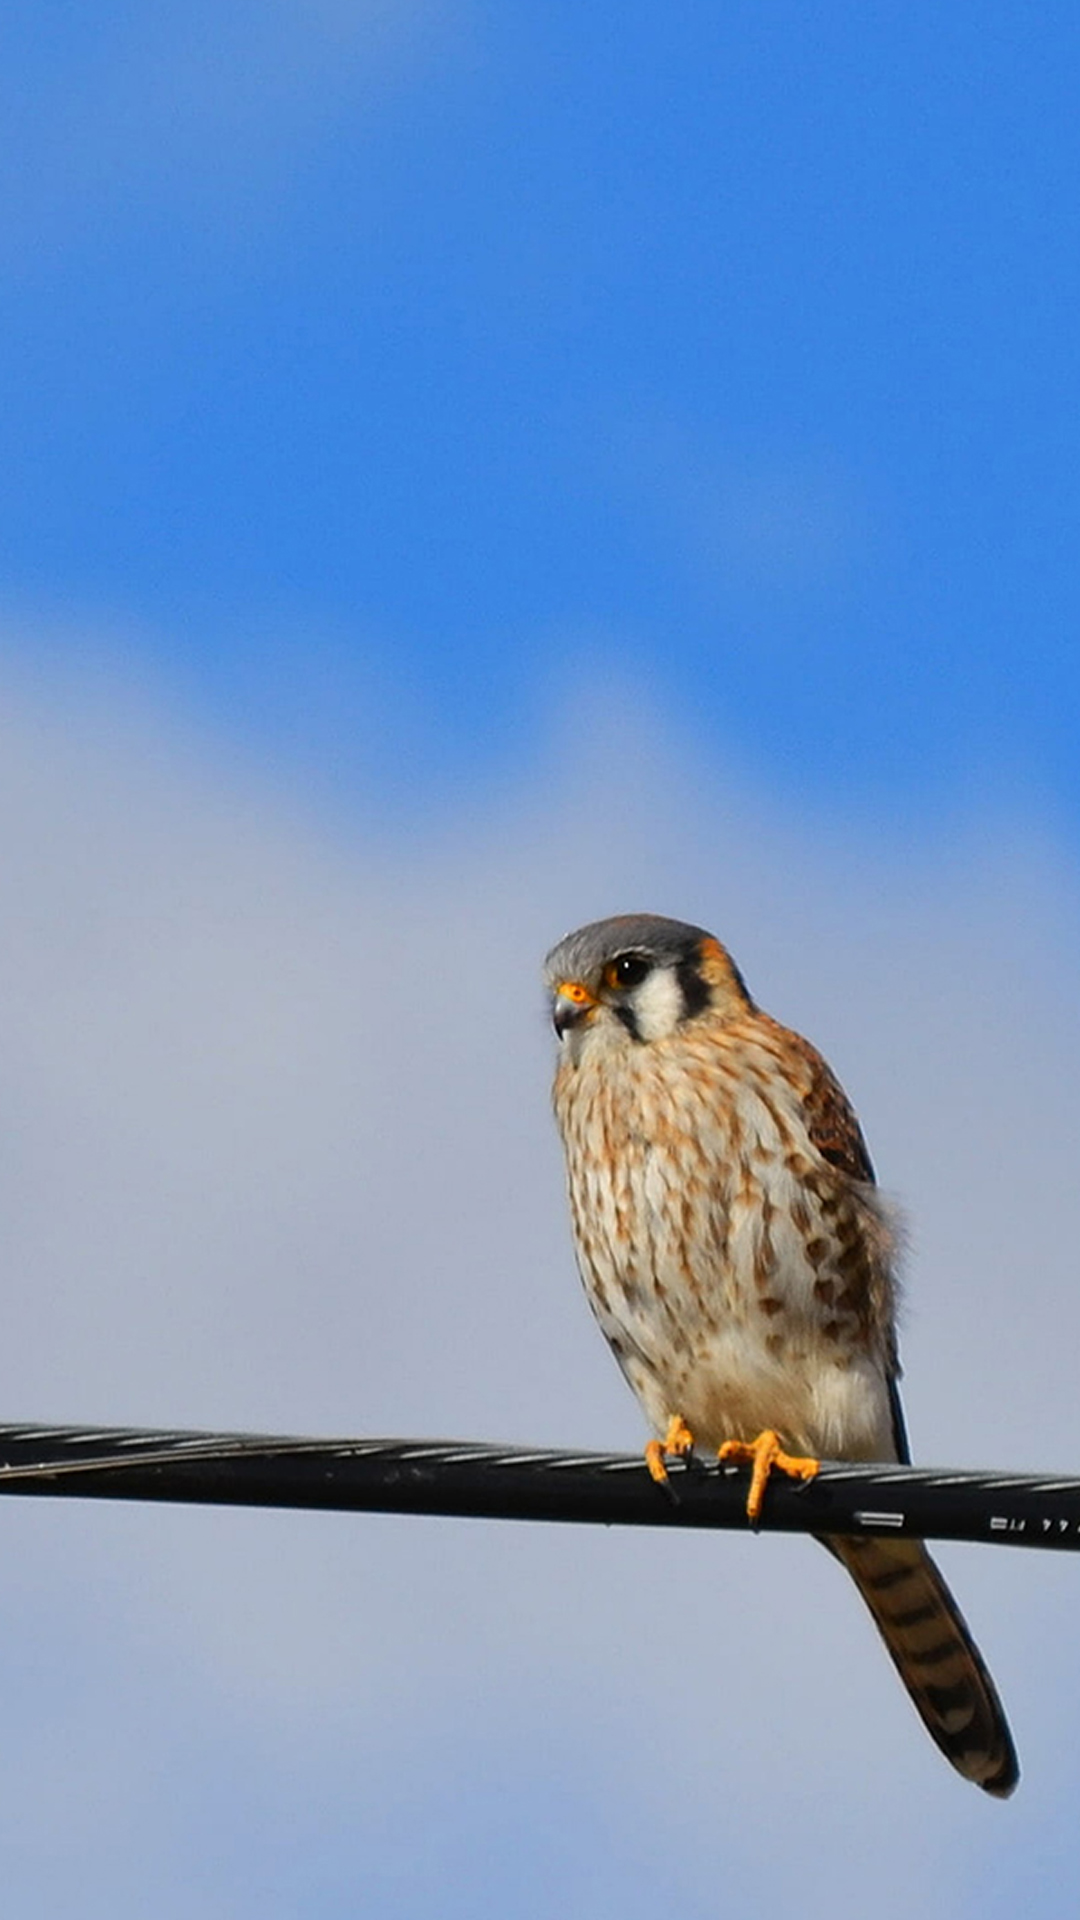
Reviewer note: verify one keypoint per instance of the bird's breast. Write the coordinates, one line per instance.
(726, 1263)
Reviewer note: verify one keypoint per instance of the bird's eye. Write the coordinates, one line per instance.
(628, 970)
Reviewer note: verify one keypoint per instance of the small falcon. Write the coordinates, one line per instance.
(740, 1262)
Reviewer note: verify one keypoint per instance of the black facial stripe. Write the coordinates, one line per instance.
(695, 991)
(624, 1011)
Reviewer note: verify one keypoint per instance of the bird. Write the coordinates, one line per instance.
(741, 1263)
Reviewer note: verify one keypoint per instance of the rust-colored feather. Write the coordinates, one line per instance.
(935, 1656)
(830, 1117)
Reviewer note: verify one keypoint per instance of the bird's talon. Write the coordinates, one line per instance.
(678, 1440)
(762, 1455)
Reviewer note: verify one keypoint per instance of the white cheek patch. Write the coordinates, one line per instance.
(658, 1005)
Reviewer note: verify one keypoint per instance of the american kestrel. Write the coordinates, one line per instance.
(740, 1262)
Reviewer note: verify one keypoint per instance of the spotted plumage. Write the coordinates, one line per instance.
(740, 1261)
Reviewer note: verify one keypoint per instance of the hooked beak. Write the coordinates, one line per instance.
(571, 1003)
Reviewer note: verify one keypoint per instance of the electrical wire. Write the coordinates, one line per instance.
(470, 1480)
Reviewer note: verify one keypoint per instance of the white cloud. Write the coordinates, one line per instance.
(772, 524)
(275, 1153)
(205, 111)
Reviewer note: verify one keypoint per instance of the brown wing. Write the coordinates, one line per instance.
(830, 1120)
(838, 1137)
(832, 1125)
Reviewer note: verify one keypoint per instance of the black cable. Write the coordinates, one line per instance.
(519, 1483)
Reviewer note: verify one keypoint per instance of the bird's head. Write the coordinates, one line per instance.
(639, 975)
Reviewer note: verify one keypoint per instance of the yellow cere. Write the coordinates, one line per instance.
(573, 990)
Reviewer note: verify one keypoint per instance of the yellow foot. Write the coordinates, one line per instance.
(763, 1454)
(677, 1440)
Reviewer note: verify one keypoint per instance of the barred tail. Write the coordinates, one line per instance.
(935, 1656)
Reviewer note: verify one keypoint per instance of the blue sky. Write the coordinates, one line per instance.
(437, 360)
(469, 469)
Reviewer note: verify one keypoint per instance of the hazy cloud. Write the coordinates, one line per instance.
(275, 1153)
(768, 522)
(202, 111)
